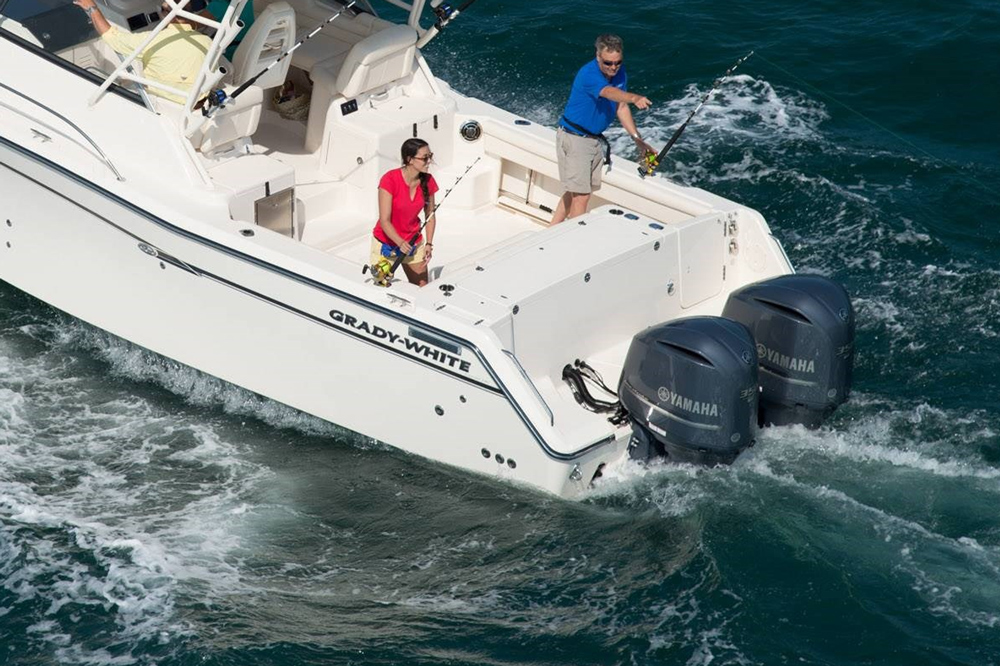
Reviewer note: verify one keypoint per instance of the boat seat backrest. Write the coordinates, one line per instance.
(271, 35)
(335, 39)
(377, 60)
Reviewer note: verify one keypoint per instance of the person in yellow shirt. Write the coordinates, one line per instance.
(173, 58)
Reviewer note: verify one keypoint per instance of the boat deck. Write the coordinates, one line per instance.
(338, 217)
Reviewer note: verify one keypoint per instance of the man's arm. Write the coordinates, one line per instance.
(620, 96)
(121, 41)
(625, 117)
(101, 24)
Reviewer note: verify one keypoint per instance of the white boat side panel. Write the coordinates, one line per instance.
(133, 137)
(702, 250)
(594, 309)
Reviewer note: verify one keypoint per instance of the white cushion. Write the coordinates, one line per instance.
(378, 59)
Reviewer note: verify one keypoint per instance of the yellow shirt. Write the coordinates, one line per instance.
(173, 58)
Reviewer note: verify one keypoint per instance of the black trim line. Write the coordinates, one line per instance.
(295, 277)
(342, 329)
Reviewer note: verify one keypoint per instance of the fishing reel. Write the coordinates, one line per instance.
(214, 101)
(381, 272)
(443, 12)
(650, 162)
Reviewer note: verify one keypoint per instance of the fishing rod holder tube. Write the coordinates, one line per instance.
(803, 326)
(691, 391)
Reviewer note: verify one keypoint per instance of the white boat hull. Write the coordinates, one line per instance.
(234, 317)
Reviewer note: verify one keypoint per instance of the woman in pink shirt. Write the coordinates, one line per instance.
(402, 194)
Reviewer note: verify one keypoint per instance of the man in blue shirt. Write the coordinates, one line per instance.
(599, 94)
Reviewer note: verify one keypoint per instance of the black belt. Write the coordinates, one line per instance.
(573, 128)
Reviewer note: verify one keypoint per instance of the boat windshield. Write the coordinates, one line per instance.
(64, 30)
(54, 25)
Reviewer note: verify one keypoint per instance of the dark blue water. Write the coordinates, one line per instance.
(151, 515)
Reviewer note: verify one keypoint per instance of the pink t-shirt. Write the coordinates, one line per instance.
(405, 211)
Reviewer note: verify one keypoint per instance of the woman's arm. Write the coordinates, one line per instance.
(431, 218)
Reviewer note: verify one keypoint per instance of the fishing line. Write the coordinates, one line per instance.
(383, 271)
(653, 161)
(878, 125)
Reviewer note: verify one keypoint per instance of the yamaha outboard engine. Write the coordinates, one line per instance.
(690, 388)
(804, 329)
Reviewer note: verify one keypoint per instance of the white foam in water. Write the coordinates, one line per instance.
(672, 488)
(681, 620)
(874, 438)
(745, 110)
(113, 509)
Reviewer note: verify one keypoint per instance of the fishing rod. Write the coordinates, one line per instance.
(445, 15)
(217, 99)
(653, 161)
(382, 272)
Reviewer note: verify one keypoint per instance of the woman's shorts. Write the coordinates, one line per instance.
(378, 251)
(580, 159)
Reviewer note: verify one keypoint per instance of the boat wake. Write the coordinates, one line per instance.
(898, 498)
(124, 515)
(109, 505)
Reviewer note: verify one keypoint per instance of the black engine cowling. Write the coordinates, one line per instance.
(803, 326)
(690, 388)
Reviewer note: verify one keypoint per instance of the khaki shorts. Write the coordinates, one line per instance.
(580, 159)
(418, 257)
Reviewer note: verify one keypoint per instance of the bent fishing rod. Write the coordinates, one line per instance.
(217, 99)
(653, 161)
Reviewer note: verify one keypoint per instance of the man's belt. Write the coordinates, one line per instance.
(573, 128)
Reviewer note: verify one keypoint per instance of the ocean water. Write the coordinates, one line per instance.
(152, 515)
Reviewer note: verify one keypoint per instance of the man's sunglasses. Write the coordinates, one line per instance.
(613, 63)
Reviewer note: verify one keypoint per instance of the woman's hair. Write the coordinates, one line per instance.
(410, 148)
(407, 152)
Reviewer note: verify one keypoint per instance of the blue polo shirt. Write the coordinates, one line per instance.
(586, 107)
